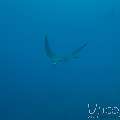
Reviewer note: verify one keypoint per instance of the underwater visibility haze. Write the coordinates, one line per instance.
(55, 76)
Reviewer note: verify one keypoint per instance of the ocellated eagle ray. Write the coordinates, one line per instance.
(58, 59)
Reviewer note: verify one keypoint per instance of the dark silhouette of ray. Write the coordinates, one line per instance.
(56, 59)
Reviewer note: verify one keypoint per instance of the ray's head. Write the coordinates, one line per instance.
(57, 60)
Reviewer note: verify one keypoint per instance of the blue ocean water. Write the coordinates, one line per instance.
(31, 88)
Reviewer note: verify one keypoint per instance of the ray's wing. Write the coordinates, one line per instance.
(48, 50)
(77, 51)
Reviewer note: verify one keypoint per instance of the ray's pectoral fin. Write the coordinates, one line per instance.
(48, 50)
(53, 57)
(76, 53)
